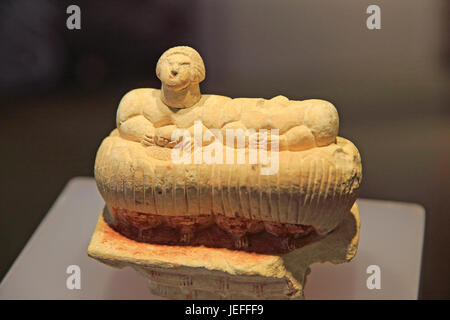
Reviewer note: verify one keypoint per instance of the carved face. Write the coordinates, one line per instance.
(175, 71)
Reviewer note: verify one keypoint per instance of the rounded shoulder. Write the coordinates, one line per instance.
(212, 109)
(322, 118)
(133, 103)
(320, 108)
(136, 96)
(214, 99)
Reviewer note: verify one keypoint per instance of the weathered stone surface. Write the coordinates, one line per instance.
(210, 273)
(194, 212)
(315, 182)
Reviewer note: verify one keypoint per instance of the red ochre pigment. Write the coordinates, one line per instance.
(217, 231)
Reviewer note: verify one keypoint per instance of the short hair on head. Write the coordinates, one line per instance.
(198, 72)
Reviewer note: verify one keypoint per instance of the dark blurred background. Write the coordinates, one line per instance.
(59, 91)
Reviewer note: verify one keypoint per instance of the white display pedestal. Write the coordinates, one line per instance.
(391, 238)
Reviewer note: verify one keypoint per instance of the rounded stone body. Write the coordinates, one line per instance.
(314, 187)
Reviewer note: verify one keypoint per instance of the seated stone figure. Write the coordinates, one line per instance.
(150, 115)
(153, 199)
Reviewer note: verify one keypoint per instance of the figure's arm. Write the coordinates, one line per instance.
(297, 139)
(322, 119)
(137, 128)
(131, 123)
(317, 126)
(163, 136)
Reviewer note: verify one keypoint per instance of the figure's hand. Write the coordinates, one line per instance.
(263, 140)
(161, 141)
(171, 144)
(164, 142)
(148, 140)
(163, 136)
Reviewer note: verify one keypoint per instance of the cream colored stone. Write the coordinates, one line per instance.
(310, 123)
(314, 187)
(206, 273)
(180, 70)
(317, 119)
(318, 177)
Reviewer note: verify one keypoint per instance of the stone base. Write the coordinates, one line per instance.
(183, 272)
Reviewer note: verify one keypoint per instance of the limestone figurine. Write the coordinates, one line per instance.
(152, 198)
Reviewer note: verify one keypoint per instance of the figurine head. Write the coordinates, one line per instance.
(179, 67)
